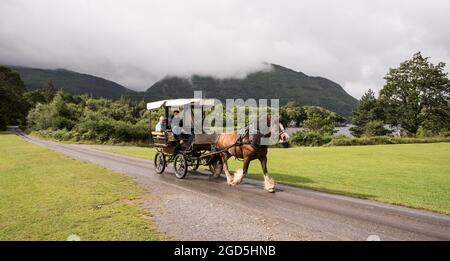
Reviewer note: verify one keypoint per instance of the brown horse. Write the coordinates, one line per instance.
(242, 147)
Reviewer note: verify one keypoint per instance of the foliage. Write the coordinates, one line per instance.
(48, 91)
(81, 118)
(13, 105)
(375, 128)
(436, 120)
(368, 119)
(320, 120)
(292, 112)
(306, 138)
(417, 94)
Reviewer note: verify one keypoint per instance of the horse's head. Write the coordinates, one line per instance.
(283, 135)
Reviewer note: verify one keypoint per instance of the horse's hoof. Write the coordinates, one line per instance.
(234, 183)
(271, 190)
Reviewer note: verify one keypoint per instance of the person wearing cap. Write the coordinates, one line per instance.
(161, 126)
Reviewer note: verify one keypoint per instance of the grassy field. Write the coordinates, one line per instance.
(47, 196)
(414, 175)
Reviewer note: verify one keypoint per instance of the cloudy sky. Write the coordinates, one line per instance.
(135, 43)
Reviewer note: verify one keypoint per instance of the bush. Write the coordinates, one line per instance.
(305, 138)
(80, 118)
(2, 123)
(61, 135)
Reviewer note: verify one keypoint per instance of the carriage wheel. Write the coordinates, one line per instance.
(180, 165)
(160, 162)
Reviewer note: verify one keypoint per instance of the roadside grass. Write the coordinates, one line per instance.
(48, 196)
(413, 175)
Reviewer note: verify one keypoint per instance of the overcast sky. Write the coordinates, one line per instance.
(352, 42)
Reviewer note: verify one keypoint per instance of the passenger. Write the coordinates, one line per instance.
(161, 126)
(174, 115)
(176, 123)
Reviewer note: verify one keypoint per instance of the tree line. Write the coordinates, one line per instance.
(415, 100)
(53, 113)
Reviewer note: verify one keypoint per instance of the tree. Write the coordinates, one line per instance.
(13, 106)
(292, 112)
(375, 128)
(60, 113)
(416, 93)
(435, 120)
(49, 91)
(320, 120)
(369, 111)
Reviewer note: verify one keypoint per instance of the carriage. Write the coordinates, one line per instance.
(185, 151)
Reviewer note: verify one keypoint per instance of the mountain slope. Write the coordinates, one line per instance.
(282, 83)
(73, 82)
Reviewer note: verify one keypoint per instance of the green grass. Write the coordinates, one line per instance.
(414, 175)
(47, 196)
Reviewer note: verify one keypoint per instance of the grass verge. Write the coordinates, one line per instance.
(48, 196)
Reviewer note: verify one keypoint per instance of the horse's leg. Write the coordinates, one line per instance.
(269, 183)
(225, 168)
(240, 174)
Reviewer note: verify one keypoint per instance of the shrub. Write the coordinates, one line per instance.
(2, 123)
(305, 138)
(80, 118)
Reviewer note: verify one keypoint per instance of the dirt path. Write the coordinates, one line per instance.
(198, 208)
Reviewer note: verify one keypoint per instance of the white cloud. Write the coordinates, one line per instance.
(352, 42)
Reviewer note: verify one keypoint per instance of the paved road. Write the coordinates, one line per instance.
(197, 208)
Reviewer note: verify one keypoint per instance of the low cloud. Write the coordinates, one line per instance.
(136, 43)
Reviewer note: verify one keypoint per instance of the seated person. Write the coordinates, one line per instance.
(174, 115)
(161, 125)
(176, 124)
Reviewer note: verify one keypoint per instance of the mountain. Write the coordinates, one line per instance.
(282, 83)
(73, 82)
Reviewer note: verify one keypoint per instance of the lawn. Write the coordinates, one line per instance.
(414, 175)
(47, 196)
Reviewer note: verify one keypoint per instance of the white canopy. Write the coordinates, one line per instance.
(179, 102)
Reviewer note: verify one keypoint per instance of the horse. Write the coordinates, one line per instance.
(244, 146)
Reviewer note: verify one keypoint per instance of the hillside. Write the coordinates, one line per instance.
(282, 83)
(73, 82)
